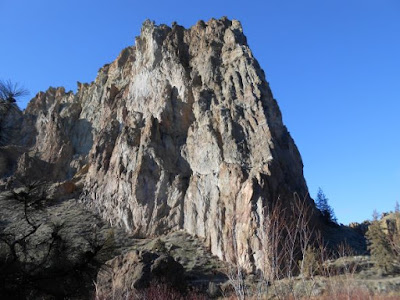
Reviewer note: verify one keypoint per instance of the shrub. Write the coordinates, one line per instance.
(310, 264)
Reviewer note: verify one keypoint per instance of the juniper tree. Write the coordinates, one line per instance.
(380, 248)
(326, 210)
(10, 91)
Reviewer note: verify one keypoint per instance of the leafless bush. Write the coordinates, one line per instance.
(236, 274)
(23, 260)
(338, 269)
(39, 250)
(286, 238)
(296, 259)
(31, 197)
(236, 277)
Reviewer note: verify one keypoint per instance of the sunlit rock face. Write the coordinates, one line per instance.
(181, 131)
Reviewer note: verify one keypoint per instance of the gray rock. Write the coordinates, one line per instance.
(181, 131)
(133, 271)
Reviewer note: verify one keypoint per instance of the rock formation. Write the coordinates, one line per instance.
(137, 270)
(181, 131)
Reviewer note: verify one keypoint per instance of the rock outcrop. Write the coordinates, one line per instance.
(137, 270)
(181, 131)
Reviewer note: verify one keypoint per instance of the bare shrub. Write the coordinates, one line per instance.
(286, 238)
(338, 269)
(297, 260)
(236, 278)
(236, 274)
(36, 249)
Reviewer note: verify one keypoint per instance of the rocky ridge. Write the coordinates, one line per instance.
(181, 131)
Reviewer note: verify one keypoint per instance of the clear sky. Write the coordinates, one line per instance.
(333, 66)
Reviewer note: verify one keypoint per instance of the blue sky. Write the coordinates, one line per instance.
(333, 66)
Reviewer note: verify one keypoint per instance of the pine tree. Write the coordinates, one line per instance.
(379, 245)
(10, 91)
(322, 204)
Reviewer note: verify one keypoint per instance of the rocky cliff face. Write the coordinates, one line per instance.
(181, 131)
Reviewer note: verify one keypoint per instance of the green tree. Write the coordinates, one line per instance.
(10, 91)
(380, 247)
(326, 210)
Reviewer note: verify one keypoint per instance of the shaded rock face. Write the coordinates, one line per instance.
(137, 270)
(10, 119)
(181, 131)
(10, 123)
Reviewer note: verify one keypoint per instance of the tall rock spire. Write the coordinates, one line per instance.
(181, 131)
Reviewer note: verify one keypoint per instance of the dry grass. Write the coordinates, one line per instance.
(359, 294)
(356, 294)
(156, 291)
(300, 265)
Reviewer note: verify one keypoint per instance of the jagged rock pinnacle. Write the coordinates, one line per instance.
(181, 131)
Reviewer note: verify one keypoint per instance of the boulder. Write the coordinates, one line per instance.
(135, 271)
